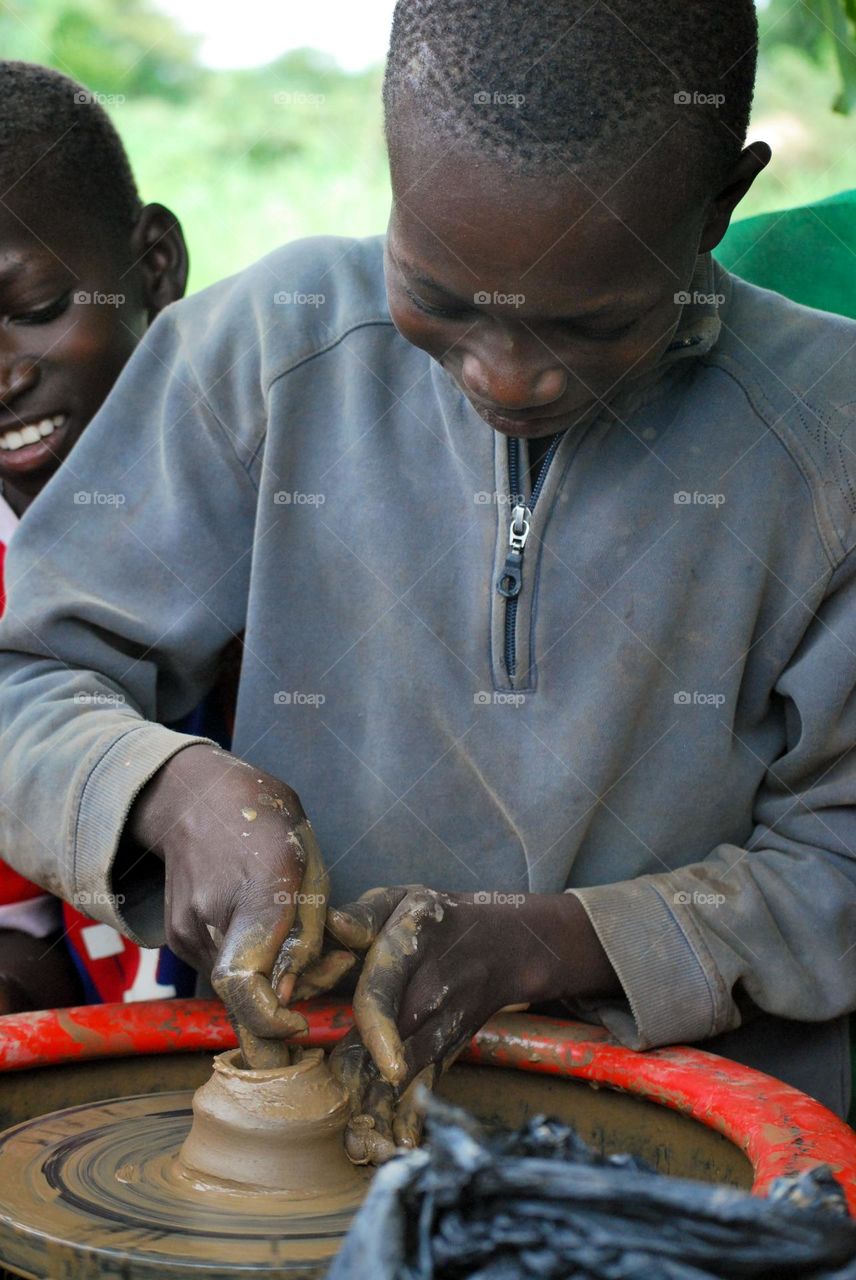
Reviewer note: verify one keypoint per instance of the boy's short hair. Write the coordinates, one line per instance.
(55, 134)
(546, 86)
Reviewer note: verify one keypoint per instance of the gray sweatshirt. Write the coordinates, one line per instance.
(661, 721)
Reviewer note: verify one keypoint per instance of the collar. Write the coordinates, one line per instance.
(700, 324)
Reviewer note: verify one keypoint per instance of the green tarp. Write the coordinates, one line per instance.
(808, 254)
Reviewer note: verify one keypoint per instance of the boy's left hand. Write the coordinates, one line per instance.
(438, 966)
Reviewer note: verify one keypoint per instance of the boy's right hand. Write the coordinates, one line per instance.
(246, 888)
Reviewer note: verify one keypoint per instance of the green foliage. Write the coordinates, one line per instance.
(813, 148)
(822, 29)
(257, 158)
(128, 48)
(842, 26)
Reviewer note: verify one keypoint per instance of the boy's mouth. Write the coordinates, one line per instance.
(24, 433)
(31, 442)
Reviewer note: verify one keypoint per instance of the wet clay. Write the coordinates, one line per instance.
(101, 1190)
(279, 1129)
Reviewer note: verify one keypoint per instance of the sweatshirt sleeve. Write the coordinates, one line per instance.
(126, 579)
(774, 922)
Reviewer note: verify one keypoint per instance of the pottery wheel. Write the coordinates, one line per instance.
(96, 1191)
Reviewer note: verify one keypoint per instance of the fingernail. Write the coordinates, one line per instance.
(286, 987)
(395, 1073)
(363, 1122)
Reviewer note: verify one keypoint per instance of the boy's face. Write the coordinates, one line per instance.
(536, 297)
(73, 305)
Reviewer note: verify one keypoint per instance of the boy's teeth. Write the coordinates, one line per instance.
(32, 433)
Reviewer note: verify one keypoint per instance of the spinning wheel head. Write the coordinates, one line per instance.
(101, 1191)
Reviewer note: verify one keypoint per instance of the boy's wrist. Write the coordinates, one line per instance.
(567, 958)
(156, 808)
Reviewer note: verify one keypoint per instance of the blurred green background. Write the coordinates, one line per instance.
(251, 158)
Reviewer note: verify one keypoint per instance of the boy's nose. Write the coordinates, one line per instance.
(503, 385)
(17, 375)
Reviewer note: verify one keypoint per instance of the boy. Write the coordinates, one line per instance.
(84, 268)
(542, 530)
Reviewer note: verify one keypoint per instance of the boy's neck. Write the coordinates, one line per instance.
(16, 498)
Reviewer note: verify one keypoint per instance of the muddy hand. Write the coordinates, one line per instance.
(381, 1120)
(246, 887)
(436, 969)
(438, 966)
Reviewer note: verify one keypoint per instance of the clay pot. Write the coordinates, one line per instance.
(279, 1129)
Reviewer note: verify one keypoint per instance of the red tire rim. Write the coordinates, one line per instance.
(780, 1130)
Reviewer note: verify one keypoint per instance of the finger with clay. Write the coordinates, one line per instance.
(381, 1120)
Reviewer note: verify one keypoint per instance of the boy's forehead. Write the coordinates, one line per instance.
(477, 224)
(37, 232)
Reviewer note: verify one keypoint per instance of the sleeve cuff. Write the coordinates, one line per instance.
(669, 986)
(133, 903)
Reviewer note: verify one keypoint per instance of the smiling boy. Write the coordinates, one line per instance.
(541, 527)
(84, 267)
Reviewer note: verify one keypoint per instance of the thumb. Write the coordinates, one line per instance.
(357, 924)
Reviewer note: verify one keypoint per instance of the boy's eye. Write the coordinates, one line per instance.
(447, 313)
(43, 315)
(605, 334)
(602, 335)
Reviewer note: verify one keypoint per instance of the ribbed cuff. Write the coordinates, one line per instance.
(136, 906)
(669, 998)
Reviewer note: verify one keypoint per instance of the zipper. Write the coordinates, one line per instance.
(510, 581)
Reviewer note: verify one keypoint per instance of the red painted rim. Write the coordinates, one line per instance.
(780, 1130)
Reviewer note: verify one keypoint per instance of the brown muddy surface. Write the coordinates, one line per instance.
(99, 1190)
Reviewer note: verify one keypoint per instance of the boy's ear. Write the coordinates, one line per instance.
(755, 158)
(159, 250)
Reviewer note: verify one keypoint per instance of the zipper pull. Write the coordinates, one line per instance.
(511, 579)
